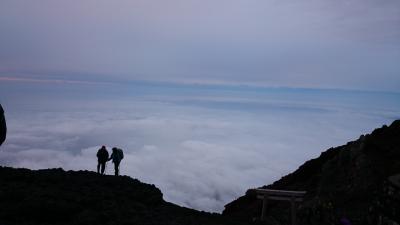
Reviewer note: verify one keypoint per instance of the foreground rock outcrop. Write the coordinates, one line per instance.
(54, 196)
(356, 181)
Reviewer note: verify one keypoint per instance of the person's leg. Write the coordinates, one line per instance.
(116, 168)
(98, 167)
(103, 167)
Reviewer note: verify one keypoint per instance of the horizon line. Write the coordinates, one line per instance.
(193, 83)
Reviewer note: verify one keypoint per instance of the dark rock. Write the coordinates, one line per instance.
(345, 181)
(54, 196)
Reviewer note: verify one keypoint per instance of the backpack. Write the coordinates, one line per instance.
(120, 153)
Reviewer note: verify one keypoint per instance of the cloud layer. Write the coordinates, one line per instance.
(202, 151)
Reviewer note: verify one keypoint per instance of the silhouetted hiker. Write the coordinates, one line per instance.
(3, 126)
(117, 155)
(102, 158)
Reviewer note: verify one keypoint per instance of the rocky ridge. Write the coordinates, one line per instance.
(57, 197)
(347, 181)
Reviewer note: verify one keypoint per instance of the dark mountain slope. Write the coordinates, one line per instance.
(349, 180)
(54, 197)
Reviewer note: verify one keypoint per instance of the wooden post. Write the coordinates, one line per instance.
(293, 210)
(264, 207)
(280, 195)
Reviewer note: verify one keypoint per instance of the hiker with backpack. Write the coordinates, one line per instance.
(102, 158)
(117, 155)
(3, 126)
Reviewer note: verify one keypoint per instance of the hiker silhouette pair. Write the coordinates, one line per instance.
(102, 157)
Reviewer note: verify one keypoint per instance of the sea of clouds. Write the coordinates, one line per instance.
(201, 150)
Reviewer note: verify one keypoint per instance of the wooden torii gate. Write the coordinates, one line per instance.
(280, 195)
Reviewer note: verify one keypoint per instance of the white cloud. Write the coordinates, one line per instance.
(200, 155)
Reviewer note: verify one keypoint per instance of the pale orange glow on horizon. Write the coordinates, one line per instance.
(50, 81)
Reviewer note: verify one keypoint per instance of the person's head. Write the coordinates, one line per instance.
(114, 149)
(103, 147)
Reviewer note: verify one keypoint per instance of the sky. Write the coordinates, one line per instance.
(207, 98)
(350, 44)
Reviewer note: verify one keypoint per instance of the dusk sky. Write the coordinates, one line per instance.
(352, 44)
(207, 98)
